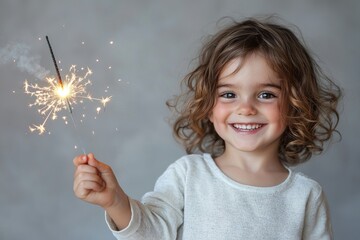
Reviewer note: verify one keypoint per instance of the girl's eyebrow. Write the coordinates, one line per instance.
(224, 85)
(272, 85)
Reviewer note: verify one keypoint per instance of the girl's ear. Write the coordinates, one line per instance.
(210, 117)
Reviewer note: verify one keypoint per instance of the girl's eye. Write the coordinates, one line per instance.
(266, 95)
(228, 95)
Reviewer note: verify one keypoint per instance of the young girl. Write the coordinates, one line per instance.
(256, 104)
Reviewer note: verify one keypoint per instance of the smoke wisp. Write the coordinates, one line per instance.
(20, 54)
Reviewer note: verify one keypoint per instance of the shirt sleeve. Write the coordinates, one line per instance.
(317, 220)
(160, 213)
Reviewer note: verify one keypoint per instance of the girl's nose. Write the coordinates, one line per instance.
(246, 108)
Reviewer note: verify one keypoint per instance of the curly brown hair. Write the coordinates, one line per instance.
(310, 97)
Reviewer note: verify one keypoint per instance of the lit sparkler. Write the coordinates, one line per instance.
(60, 95)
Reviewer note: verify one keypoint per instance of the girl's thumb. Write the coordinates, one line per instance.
(102, 167)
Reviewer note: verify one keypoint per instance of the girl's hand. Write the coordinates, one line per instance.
(95, 182)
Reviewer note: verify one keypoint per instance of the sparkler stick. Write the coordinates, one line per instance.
(57, 71)
(62, 85)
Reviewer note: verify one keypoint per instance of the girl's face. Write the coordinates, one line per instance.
(247, 113)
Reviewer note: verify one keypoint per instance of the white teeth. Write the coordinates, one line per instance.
(247, 126)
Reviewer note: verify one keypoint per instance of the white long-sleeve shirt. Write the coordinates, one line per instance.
(195, 200)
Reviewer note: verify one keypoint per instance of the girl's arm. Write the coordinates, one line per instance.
(160, 213)
(317, 220)
(95, 182)
(158, 216)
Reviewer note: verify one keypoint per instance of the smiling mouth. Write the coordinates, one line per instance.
(247, 127)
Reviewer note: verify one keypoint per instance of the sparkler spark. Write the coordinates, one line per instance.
(56, 96)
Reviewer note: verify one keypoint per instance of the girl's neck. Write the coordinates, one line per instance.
(251, 161)
(255, 169)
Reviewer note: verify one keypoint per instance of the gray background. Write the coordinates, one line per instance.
(154, 42)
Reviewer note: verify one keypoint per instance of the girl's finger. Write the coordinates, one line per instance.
(82, 159)
(84, 176)
(84, 188)
(86, 168)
